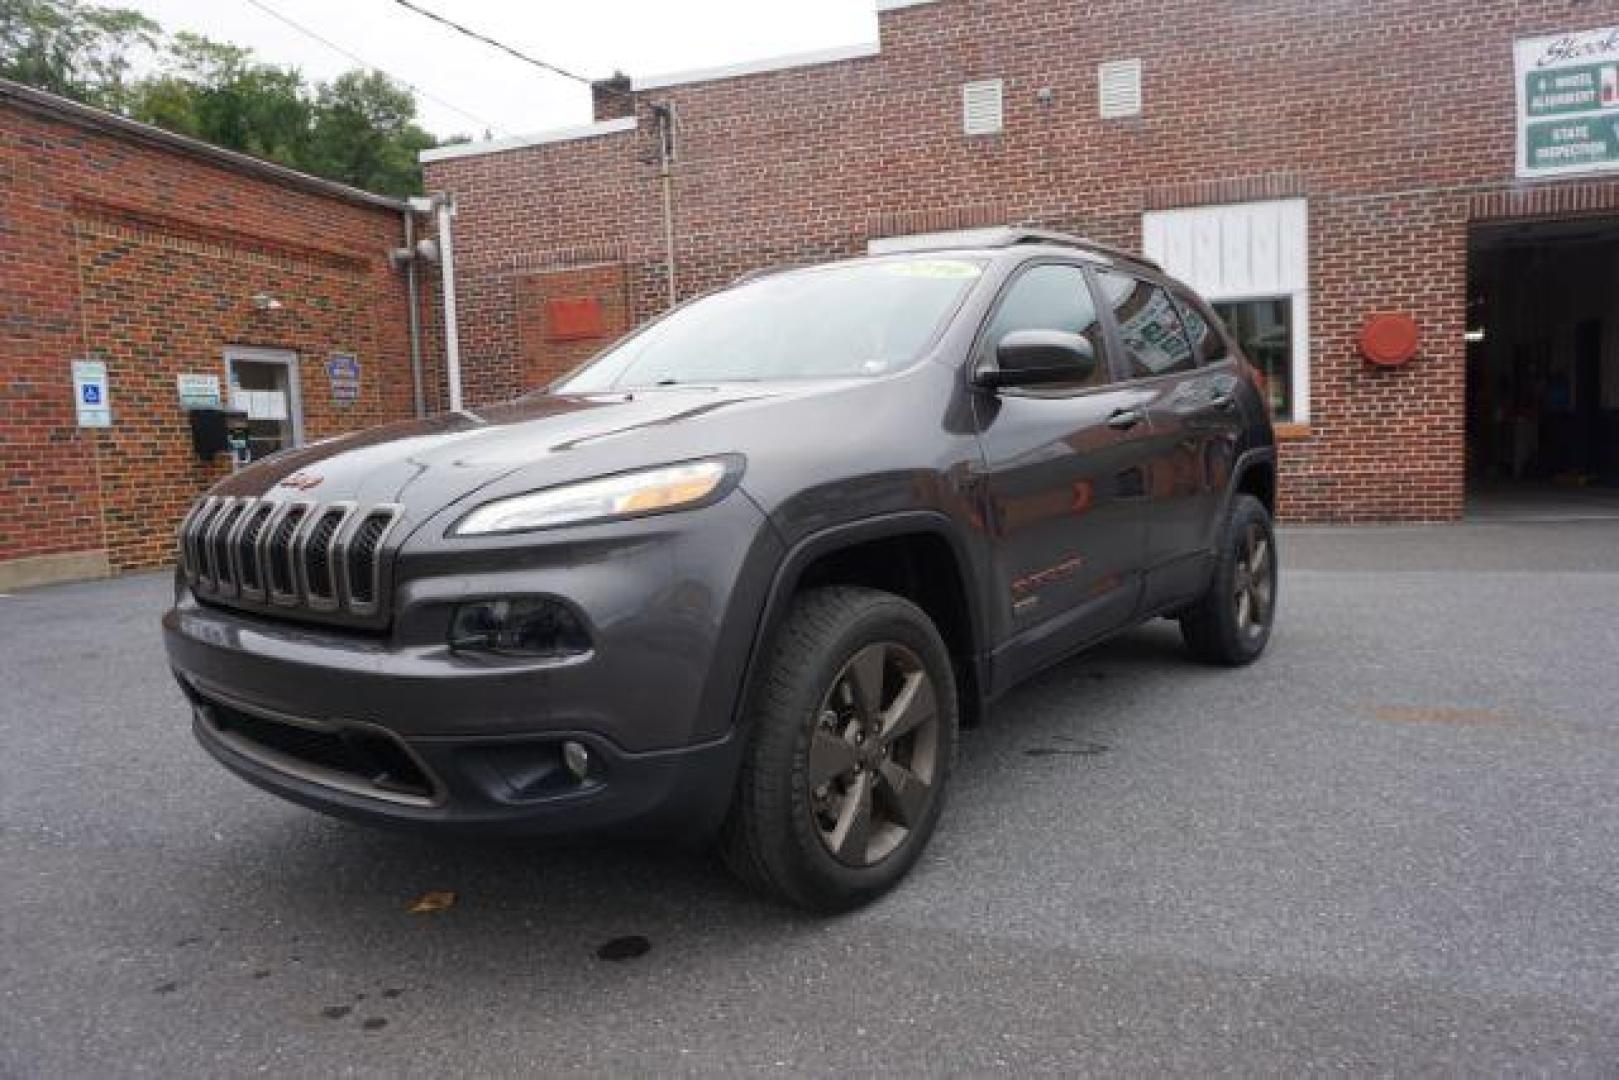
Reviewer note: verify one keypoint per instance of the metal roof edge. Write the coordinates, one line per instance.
(520, 142)
(40, 101)
(762, 66)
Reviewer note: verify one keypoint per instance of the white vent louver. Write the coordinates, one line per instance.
(1119, 93)
(981, 111)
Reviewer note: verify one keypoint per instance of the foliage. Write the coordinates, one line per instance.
(72, 49)
(359, 129)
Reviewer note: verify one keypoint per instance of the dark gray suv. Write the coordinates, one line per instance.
(746, 573)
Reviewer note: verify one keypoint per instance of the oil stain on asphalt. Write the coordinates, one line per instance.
(624, 948)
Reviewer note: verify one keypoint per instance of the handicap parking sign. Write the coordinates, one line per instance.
(90, 384)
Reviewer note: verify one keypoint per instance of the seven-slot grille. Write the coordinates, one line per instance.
(291, 554)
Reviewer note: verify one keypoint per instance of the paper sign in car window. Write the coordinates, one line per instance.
(935, 268)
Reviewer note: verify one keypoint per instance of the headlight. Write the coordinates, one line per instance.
(651, 491)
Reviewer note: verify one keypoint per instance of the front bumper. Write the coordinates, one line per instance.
(401, 730)
(504, 784)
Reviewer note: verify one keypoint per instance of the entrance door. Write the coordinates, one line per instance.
(1543, 366)
(264, 384)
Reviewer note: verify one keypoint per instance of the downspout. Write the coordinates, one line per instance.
(413, 291)
(665, 112)
(445, 205)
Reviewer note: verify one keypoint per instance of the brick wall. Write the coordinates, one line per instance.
(1392, 117)
(548, 345)
(116, 249)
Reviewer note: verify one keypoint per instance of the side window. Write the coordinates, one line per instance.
(1207, 342)
(1051, 297)
(1150, 329)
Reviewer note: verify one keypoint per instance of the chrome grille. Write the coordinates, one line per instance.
(290, 555)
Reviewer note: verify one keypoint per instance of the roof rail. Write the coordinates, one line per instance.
(1046, 236)
(1003, 237)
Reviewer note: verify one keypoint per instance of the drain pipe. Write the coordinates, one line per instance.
(665, 112)
(445, 205)
(413, 291)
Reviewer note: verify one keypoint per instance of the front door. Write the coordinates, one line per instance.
(1065, 482)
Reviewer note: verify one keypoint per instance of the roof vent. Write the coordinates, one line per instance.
(1119, 83)
(981, 107)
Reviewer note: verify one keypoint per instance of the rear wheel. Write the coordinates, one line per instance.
(1231, 623)
(852, 740)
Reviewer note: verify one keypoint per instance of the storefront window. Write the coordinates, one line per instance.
(1264, 329)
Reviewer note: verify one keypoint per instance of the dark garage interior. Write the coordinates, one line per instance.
(1543, 364)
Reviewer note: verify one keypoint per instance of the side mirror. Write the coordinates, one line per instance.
(1037, 357)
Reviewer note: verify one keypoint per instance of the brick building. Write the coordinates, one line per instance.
(171, 268)
(1309, 166)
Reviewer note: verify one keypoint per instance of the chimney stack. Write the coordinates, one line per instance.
(610, 98)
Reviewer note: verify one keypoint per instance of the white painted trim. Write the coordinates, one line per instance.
(934, 241)
(1292, 282)
(520, 142)
(895, 5)
(756, 67)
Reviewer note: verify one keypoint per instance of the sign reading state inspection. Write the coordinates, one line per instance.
(1568, 103)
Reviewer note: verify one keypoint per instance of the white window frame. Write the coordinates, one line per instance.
(1288, 281)
(288, 359)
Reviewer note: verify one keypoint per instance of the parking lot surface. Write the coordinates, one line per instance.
(1391, 846)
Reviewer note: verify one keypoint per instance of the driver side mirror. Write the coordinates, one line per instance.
(1038, 357)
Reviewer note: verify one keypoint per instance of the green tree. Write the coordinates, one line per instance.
(360, 128)
(217, 92)
(365, 133)
(77, 50)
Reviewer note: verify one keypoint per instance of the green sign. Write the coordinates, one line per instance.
(1568, 90)
(1568, 103)
(1558, 144)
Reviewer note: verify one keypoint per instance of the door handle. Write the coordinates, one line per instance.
(1125, 419)
(1224, 400)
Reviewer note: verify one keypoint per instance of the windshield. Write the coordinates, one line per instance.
(838, 321)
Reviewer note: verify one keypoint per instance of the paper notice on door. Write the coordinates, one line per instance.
(260, 404)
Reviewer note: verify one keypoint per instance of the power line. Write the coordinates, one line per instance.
(487, 40)
(363, 62)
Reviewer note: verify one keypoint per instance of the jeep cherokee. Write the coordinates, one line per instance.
(745, 574)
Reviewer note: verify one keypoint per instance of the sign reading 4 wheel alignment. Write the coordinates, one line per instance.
(1568, 103)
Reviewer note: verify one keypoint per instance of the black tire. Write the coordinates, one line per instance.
(1231, 623)
(800, 841)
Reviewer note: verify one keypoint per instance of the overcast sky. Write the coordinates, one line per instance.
(458, 79)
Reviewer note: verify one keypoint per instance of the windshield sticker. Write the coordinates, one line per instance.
(934, 268)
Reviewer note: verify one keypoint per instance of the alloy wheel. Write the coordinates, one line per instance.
(1254, 583)
(874, 754)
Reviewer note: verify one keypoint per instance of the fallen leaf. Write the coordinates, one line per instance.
(431, 903)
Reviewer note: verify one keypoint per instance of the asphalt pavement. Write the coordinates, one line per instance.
(1390, 847)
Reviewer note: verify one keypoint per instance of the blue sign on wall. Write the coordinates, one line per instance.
(90, 393)
(343, 369)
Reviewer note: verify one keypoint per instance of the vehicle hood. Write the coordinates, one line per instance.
(539, 440)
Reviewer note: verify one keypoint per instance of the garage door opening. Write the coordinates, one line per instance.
(1543, 369)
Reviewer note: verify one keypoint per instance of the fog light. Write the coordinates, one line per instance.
(536, 626)
(577, 759)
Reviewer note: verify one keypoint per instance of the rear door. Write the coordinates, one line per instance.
(1193, 417)
(1065, 479)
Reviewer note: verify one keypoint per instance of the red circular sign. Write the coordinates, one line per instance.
(1389, 340)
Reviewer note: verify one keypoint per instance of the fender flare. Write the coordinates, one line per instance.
(835, 538)
(1246, 461)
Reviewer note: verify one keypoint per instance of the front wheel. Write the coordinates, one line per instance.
(851, 744)
(1231, 623)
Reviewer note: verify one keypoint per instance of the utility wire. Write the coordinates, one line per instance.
(487, 40)
(363, 62)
